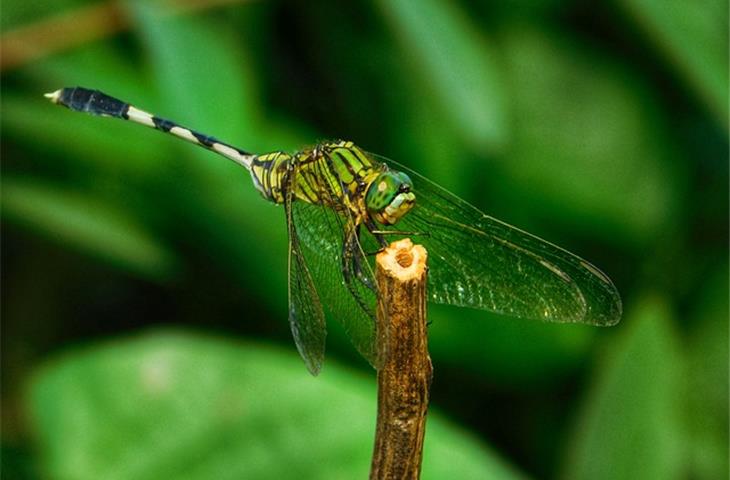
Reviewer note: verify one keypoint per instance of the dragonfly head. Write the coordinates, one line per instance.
(389, 197)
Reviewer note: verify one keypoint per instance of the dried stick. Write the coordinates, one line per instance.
(404, 378)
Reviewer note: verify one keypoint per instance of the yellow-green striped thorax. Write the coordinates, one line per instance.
(338, 175)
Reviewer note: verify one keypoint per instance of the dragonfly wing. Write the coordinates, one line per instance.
(478, 261)
(306, 317)
(351, 303)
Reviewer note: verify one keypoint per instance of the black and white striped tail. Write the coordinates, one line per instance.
(99, 103)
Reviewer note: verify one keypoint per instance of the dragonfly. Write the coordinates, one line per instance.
(342, 204)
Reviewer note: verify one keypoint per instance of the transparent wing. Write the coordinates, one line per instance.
(342, 272)
(321, 231)
(478, 261)
(306, 317)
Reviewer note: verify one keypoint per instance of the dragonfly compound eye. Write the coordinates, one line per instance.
(389, 197)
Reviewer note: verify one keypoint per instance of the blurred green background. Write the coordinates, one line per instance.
(144, 331)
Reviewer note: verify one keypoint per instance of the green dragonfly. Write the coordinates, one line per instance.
(342, 204)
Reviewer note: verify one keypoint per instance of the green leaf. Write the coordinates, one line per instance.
(694, 38)
(449, 56)
(86, 223)
(175, 405)
(18, 13)
(590, 144)
(708, 381)
(202, 73)
(630, 427)
(87, 145)
(506, 350)
(422, 142)
(208, 85)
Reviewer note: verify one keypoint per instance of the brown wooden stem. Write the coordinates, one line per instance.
(404, 376)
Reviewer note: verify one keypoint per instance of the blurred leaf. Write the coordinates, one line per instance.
(422, 142)
(19, 13)
(17, 463)
(87, 145)
(630, 428)
(173, 405)
(708, 381)
(454, 62)
(589, 140)
(205, 77)
(204, 74)
(694, 36)
(101, 66)
(509, 351)
(85, 223)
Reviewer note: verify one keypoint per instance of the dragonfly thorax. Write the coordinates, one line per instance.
(338, 175)
(389, 197)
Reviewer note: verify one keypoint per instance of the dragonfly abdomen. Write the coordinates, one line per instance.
(99, 103)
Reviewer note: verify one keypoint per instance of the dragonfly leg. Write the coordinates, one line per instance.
(350, 277)
(362, 276)
(379, 237)
(399, 232)
(352, 263)
(380, 234)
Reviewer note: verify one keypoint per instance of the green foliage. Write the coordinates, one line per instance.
(86, 224)
(175, 405)
(707, 382)
(601, 128)
(634, 403)
(583, 116)
(441, 44)
(693, 37)
(512, 352)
